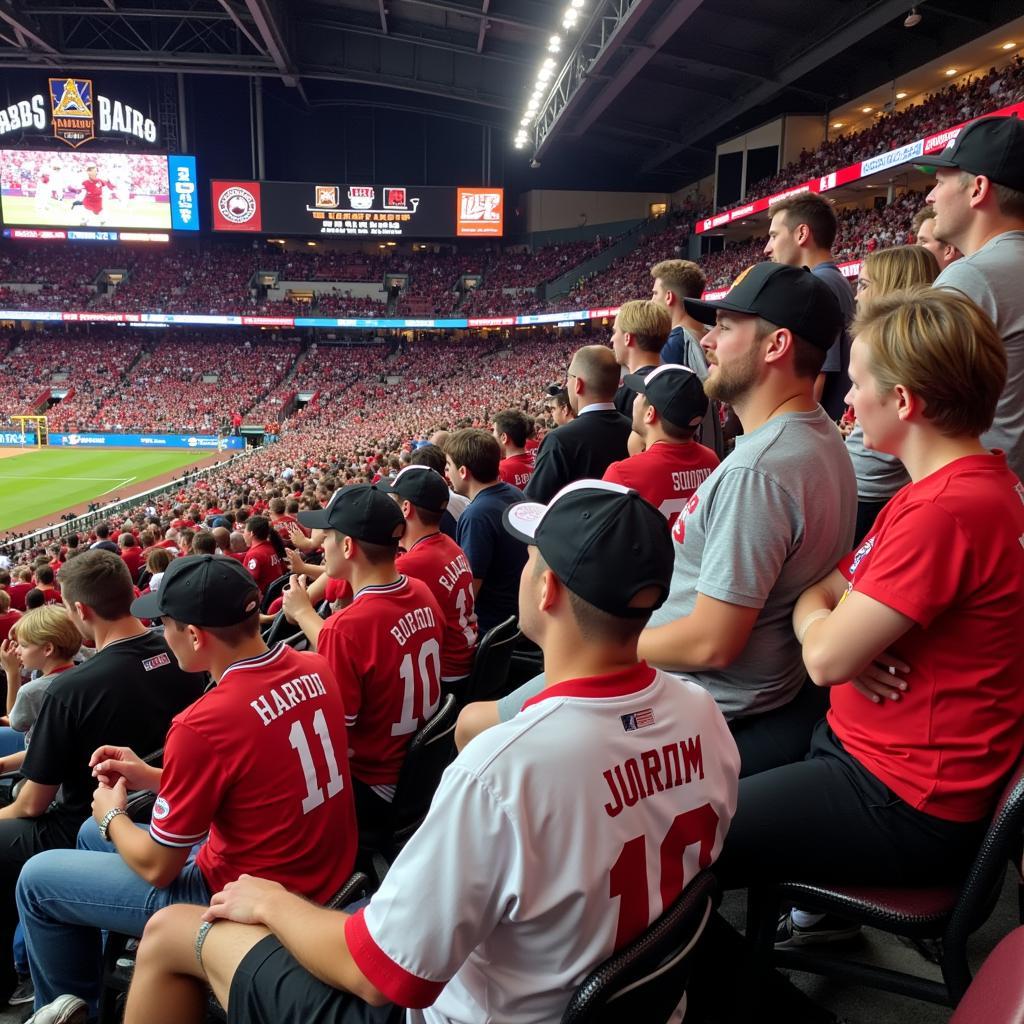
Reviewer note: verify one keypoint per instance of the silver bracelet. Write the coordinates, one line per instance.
(197, 948)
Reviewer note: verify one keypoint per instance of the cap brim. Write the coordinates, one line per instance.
(385, 486)
(521, 520)
(316, 520)
(635, 382)
(934, 163)
(147, 606)
(707, 312)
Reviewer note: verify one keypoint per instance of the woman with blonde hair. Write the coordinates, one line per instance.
(879, 474)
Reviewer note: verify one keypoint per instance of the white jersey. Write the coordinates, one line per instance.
(554, 839)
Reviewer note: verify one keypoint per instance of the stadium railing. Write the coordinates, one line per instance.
(20, 545)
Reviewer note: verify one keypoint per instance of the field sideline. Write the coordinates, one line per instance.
(42, 482)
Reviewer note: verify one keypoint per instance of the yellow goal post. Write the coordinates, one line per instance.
(31, 427)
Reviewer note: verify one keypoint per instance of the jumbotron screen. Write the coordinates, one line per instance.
(51, 188)
(356, 211)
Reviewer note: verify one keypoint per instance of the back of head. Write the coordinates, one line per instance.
(943, 348)
(813, 210)
(515, 424)
(102, 531)
(595, 365)
(99, 580)
(683, 278)
(648, 322)
(901, 267)
(44, 576)
(477, 450)
(158, 559)
(204, 543)
(50, 624)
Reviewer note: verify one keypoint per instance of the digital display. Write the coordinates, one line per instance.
(97, 191)
(356, 211)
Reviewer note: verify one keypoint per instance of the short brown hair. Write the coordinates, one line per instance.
(925, 213)
(158, 559)
(808, 359)
(475, 449)
(681, 277)
(648, 322)
(813, 210)
(230, 636)
(1009, 201)
(50, 624)
(515, 424)
(943, 348)
(100, 580)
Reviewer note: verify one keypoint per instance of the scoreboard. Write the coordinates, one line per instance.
(332, 210)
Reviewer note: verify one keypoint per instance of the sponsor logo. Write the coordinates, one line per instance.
(157, 662)
(395, 199)
(327, 196)
(637, 720)
(480, 211)
(237, 205)
(161, 808)
(862, 552)
(892, 159)
(71, 108)
(182, 172)
(361, 197)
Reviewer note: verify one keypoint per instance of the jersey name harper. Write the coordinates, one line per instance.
(655, 771)
(412, 622)
(294, 692)
(453, 572)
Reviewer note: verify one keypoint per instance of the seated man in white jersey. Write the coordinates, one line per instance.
(238, 791)
(778, 513)
(533, 850)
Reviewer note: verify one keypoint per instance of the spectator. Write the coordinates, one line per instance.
(639, 332)
(265, 557)
(8, 615)
(131, 553)
(157, 562)
(511, 430)
(103, 541)
(924, 234)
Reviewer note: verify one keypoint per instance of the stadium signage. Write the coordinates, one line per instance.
(75, 114)
(209, 442)
(845, 175)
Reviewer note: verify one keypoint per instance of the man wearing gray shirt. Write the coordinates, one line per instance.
(979, 208)
(772, 519)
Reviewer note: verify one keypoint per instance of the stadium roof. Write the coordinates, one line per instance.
(643, 91)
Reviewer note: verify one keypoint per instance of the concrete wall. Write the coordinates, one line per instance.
(555, 210)
(801, 132)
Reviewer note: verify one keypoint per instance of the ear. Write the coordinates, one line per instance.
(980, 189)
(578, 385)
(630, 339)
(196, 638)
(907, 403)
(802, 234)
(779, 343)
(348, 548)
(650, 414)
(550, 591)
(407, 509)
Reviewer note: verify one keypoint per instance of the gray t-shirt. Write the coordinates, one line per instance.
(991, 277)
(28, 702)
(879, 474)
(837, 359)
(773, 518)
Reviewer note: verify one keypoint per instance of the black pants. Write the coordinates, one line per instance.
(867, 513)
(21, 838)
(781, 736)
(374, 814)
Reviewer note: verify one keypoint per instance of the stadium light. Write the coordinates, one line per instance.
(913, 18)
(838, 124)
(866, 110)
(578, 4)
(555, 44)
(1009, 45)
(901, 95)
(950, 72)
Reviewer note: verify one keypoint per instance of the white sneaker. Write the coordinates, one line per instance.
(63, 1010)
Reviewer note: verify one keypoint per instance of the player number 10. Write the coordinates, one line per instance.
(429, 686)
(628, 878)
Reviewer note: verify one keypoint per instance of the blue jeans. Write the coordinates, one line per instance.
(11, 741)
(66, 897)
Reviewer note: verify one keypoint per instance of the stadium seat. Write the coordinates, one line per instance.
(996, 995)
(280, 629)
(491, 662)
(431, 751)
(950, 913)
(273, 591)
(646, 980)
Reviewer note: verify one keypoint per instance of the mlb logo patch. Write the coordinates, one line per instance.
(158, 662)
(328, 196)
(637, 720)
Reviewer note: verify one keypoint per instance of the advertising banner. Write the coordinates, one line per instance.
(197, 441)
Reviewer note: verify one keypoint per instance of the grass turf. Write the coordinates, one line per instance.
(39, 482)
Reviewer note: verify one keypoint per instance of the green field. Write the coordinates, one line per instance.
(133, 213)
(39, 482)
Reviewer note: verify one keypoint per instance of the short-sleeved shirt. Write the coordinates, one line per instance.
(666, 474)
(385, 649)
(263, 564)
(590, 812)
(259, 764)
(442, 565)
(516, 469)
(125, 696)
(837, 360)
(494, 555)
(879, 474)
(773, 518)
(28, 703)
(991, 277)
(946, 552)
(683, 347)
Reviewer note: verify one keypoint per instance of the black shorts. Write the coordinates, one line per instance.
(271, 987)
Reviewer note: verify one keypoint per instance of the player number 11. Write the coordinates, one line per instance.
(335, 783)
(628, 878)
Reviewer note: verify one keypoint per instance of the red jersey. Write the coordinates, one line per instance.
(18, 592)
(133, 559)
(263, 564)
(946, 553)
(385, 649)
(7, 620)
(93, 198)
(258, 763)
(440, 563)
(516, 469)
(666, 475)
(51, 595)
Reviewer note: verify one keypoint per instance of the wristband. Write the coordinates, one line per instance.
(801, 631)
(105, 822)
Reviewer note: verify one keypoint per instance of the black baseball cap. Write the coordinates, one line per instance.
(674, 390)
(421, 485)
(790, 297)
(993, 146)
(361, 511)
(202, 590)
(602, 540)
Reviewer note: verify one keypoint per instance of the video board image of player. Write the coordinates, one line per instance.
(98, 190)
